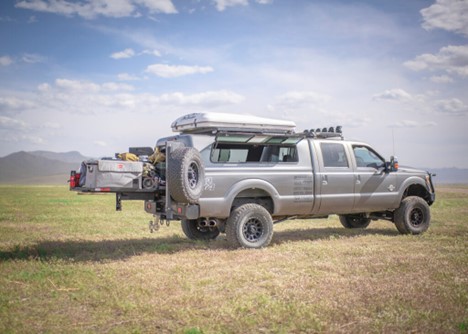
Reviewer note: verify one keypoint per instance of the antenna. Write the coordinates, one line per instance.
(393, 139)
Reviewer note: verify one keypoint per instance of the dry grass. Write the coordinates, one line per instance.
(69, 263)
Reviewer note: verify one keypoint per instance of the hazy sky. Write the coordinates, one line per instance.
(99, 76)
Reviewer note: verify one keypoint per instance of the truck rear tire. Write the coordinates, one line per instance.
(186, 175)
(354, 221)
(249, 226)
(413, 216)
(193, 231)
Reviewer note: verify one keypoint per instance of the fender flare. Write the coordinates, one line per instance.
(240, 186)
(408, 183)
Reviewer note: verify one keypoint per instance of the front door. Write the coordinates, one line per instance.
(375, 188)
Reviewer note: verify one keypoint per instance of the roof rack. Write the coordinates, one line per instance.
(330, 132)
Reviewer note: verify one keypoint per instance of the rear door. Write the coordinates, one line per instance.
(335, 177)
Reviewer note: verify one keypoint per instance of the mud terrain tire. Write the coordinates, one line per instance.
(413, 216)
(249, 226)
(186, 175)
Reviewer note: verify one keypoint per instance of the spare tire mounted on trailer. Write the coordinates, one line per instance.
(186, 175)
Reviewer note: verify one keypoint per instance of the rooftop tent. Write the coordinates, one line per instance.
(219, 122)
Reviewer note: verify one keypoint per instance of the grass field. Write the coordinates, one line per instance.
(70, 263)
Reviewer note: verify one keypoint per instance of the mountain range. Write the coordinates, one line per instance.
(45, 167)
(39, 167)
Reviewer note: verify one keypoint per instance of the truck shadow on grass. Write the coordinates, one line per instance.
(120, 249)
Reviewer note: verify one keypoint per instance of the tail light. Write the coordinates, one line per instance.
(74, 179)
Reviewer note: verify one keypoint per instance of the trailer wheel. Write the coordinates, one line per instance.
(186, 175)
(413, 216)
(350, 221)
(249, 226)
(194, 231)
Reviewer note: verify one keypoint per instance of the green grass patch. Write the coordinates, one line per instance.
(71, 263)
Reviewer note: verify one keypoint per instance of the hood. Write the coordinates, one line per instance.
(411, 170)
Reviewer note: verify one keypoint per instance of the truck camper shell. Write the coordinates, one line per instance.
(218, 122)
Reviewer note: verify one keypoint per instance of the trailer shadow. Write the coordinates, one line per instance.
(121, 249)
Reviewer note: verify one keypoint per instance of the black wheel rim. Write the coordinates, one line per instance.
(192, 175)
(253, 230)
(416, 217)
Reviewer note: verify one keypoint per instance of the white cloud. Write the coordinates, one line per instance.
(32, 19)
(127, 77)
(8, 123)
(15, 104)
(31, 58)
(90, 9)
(85, 97)
(454, 107)
(450, 15)
(221, 5)
(173, 71)
(113, 87)
(77, 86)
(413, 124)
(395, 94)
(158, 6)
(51, 125)
(300, 99)
(127, 53)
(206, 99)
(452, 59)
(15, 137)
(151, 52)
(30, 138)
(43, 87)
(443, 79)
(5, 61)
(100, 143)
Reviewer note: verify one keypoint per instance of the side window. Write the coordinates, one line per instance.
(334, 155)
(366, 157)
(230, 153)
(237, 153)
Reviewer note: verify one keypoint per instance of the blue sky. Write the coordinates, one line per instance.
(100, 76)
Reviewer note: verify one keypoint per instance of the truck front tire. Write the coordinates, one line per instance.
(413, 216)
(249, 226)
(186, 175)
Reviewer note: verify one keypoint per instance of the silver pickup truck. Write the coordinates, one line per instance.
(240, 175)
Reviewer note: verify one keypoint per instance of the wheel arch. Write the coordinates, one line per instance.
(416, 189)
(253, 191)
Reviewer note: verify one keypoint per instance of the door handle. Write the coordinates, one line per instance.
(358, 179)
(324, 180)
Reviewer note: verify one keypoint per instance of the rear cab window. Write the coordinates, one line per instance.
(334, 155)
(254, 149)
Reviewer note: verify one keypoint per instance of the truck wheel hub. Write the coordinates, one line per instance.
(416, 217)
(253, 230)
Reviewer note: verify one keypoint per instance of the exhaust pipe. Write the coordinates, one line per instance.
(208, 223)
(213, 223)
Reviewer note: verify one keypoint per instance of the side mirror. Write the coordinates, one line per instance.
(392, 166)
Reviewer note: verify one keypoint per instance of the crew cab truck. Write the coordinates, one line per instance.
(239, 175)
